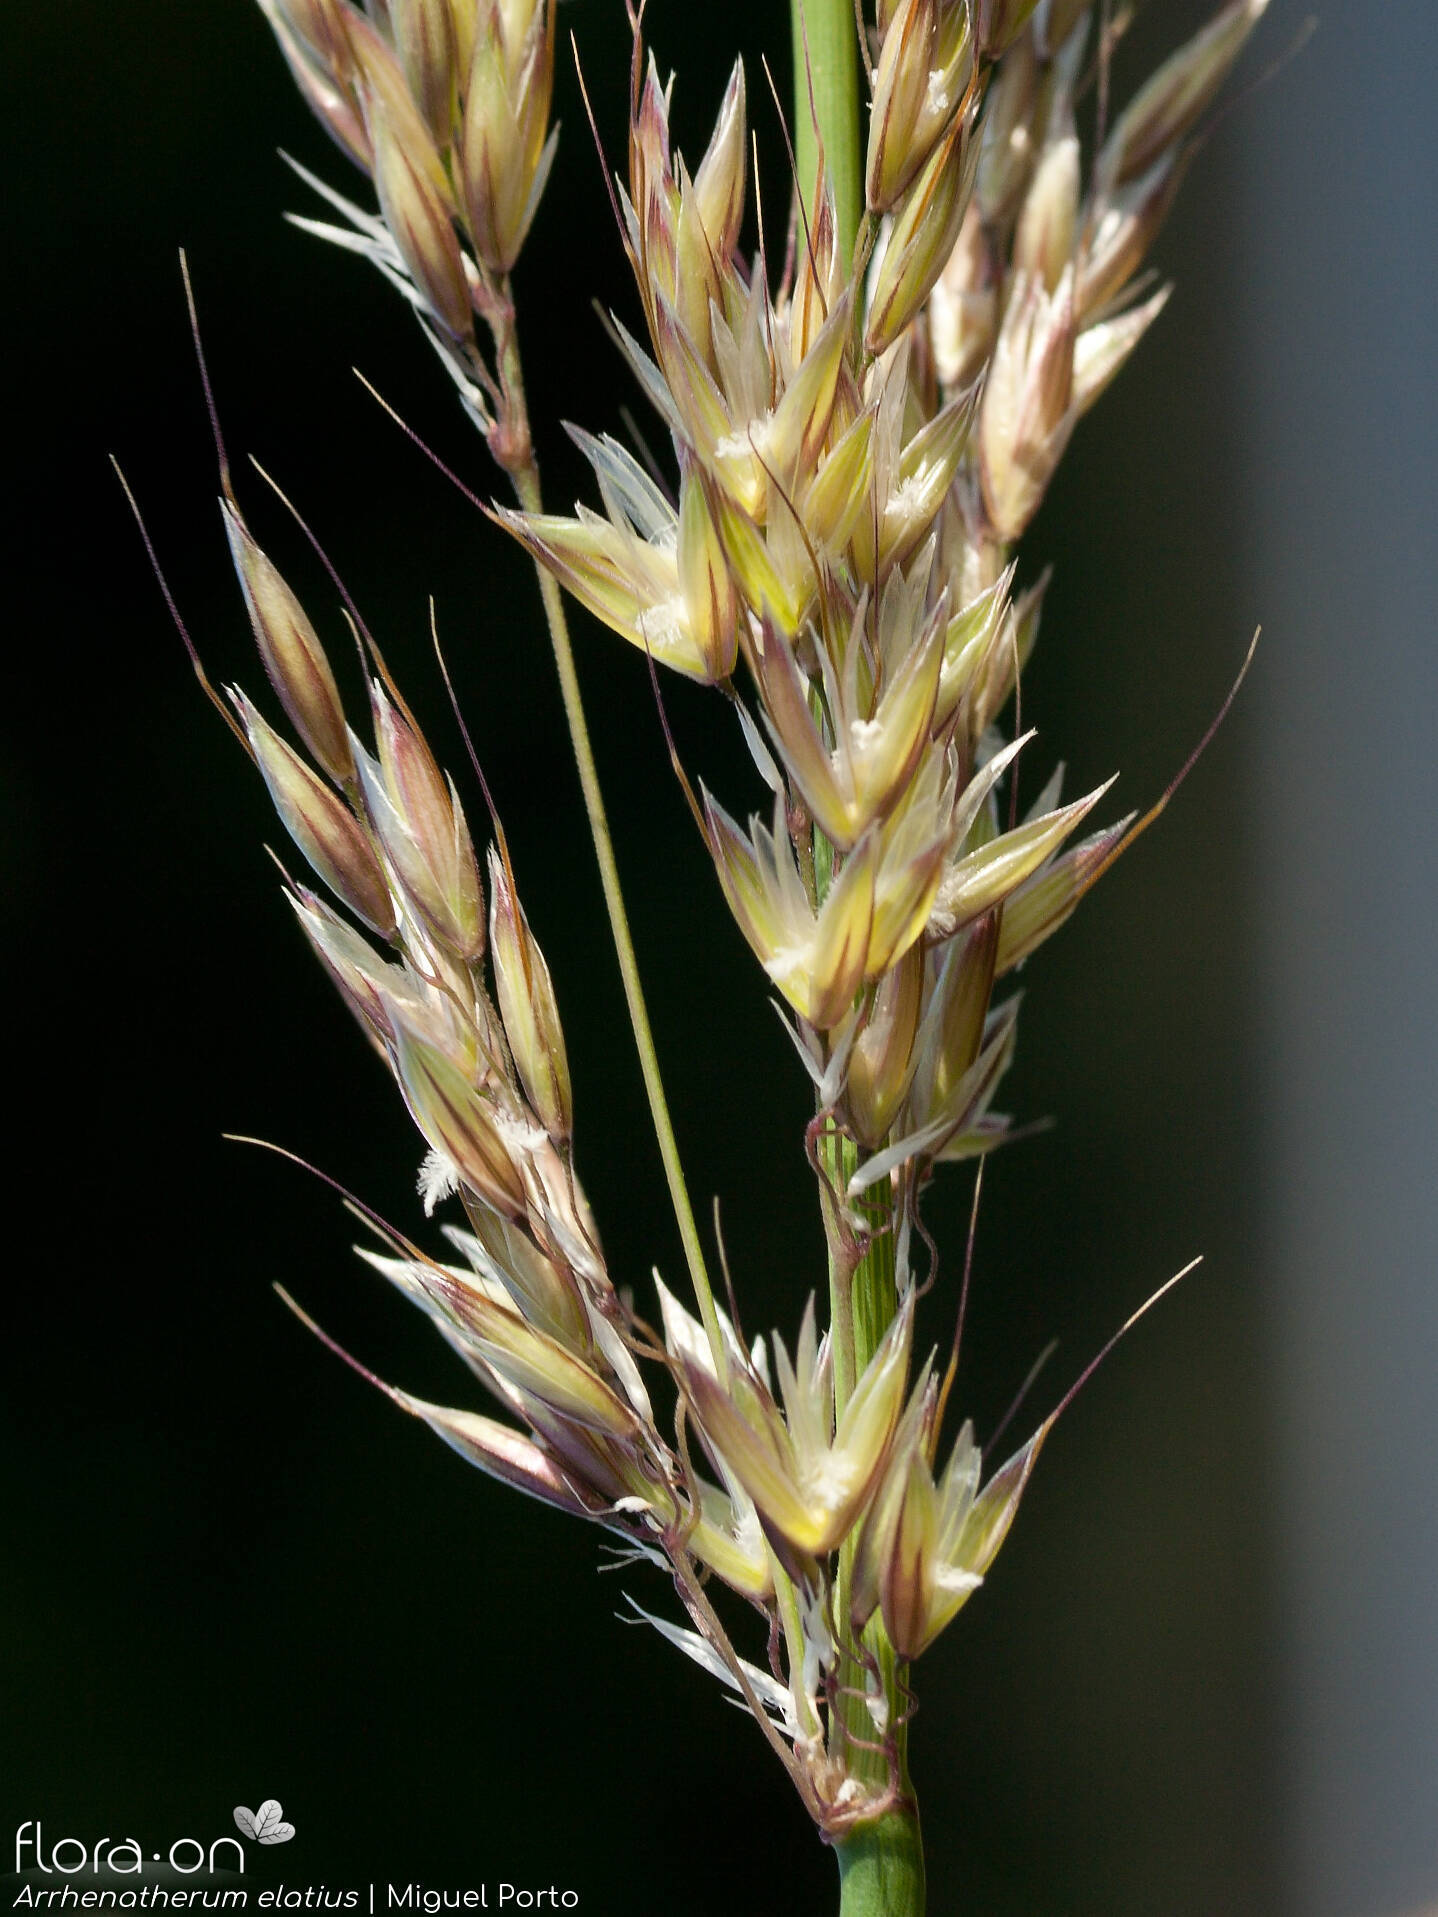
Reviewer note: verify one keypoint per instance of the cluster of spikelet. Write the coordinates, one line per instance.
(446, 105)
(856, 448)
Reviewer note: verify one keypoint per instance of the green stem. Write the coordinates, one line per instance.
(516, 453)
(881, 1868)
(881, 1865)
(826, 64)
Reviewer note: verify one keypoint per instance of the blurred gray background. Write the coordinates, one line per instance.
(1338, 382)
(1203, 1676)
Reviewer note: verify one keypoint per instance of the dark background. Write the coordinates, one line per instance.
(236, 1572)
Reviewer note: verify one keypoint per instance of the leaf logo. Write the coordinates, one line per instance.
(266, 1825)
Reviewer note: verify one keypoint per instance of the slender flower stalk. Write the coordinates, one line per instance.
(856, 448)
(527, 487)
